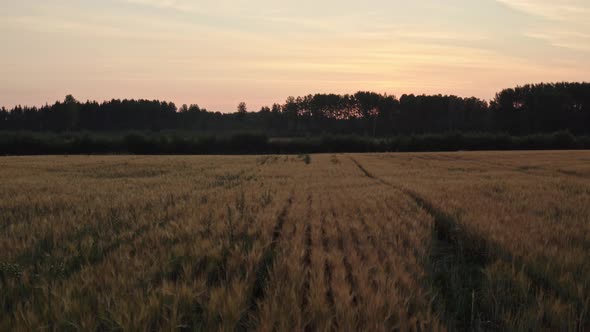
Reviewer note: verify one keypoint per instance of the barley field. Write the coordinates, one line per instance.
(480, 241)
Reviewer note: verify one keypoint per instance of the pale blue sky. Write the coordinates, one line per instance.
(219, 53)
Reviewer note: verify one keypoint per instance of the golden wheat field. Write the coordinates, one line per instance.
(345, 242)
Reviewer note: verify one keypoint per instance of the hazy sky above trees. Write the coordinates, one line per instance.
(260, 51)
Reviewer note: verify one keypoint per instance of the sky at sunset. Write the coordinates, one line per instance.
(218, 53)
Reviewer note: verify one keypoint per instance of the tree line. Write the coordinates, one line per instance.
(524, 110)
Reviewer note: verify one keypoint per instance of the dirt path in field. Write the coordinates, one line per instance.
(307, 261)
(455, 266)
(458, 259)
(262, 270)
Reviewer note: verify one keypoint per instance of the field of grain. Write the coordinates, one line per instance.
(420, 241)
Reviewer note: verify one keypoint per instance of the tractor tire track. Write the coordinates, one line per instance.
(263, 269)
(470, 253)
(308, 245)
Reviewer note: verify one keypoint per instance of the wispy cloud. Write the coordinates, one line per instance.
(173, 4)
(561, 23)
(558, 10)
(561, 37)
